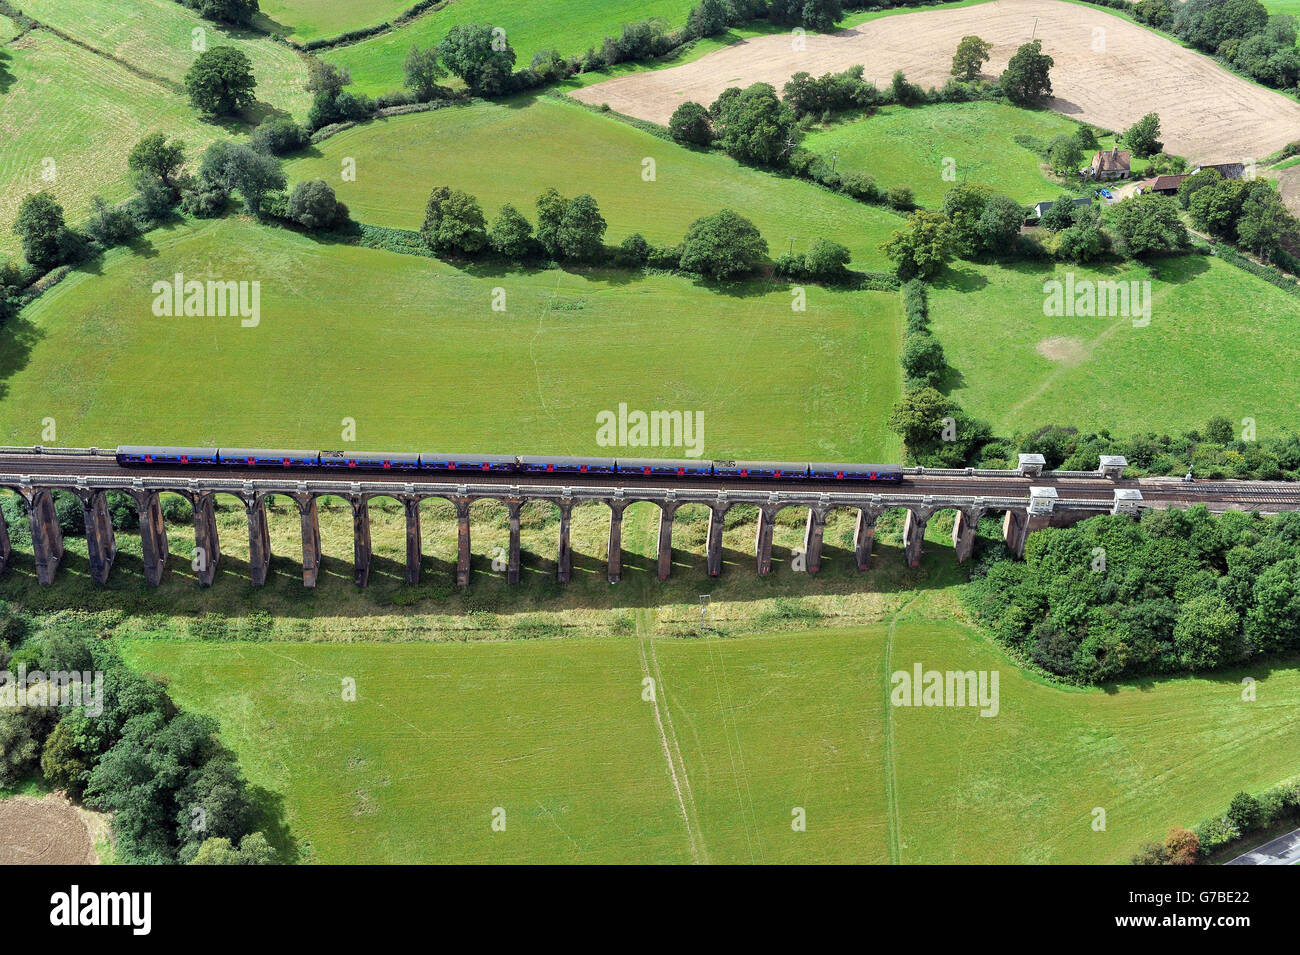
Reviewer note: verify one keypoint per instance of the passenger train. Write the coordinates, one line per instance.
(137, 456)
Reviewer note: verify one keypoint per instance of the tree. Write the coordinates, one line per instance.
(156, 156)
(815, 14)
(422, 71)
(240, 12)
(1195, 182)
(1219, 430)
(581, 232)
(934, 429)
(902, 92)
(236, 167)
(1244, 811)
(1149, 223)
(972, 53)
(1182, 847)
(921, 248)
(709, 18)
(551, 207)
(963, 205)
(40, 227)
(1216, 208)
(1082, 242)
(1143, 136)
(70, 752)
(1209, 24)
(999, 224)
(479, 55)
(756, 126)
(453, 222)
(722, 245)
(1207, 633)
(690, 125)
(1065, 155)
(313, 205)
(277, 136)
(1265, 223)
(511, 234)
(220, 82)
(923, 358)
(325, 77)
(110, 225)
(1026, 79)
(23, 730)
(1059, 215)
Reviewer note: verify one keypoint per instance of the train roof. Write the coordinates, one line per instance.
(156, 449)
(664, 462)
(852, 466)
(561, 459)
(267, 453)
(445, 456)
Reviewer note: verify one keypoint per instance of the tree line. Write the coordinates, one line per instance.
(175, 793)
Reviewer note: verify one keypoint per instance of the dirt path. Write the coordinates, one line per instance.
(48, 831)
(1108, 72)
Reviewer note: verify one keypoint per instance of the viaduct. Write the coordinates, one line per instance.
(1029, 498)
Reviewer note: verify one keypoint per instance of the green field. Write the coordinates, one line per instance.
(84, 113)
(411, 349)
(307, 20)
(569, 26)
(912, 147)
(514, 151)
(1213, 328)
(556, 734)
(158, 38)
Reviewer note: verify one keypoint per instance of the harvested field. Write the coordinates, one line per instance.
(1288, 184)
(1108, 72)
(48, 831)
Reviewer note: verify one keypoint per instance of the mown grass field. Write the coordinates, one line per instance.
(976, 141)
(307, 20)
(158, 37)
(411, 349)
(83, 113)
(569, 26)
(557, 734)
(1213, 329)
(514, 151)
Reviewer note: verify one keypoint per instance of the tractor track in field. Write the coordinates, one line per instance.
(668, 740)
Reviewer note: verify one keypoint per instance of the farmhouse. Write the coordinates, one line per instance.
(1110, 164)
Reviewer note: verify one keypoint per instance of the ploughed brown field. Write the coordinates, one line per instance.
(47, 831)
(1108, 72)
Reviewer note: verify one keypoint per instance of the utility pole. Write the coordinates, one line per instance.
(1035, 33)
(835, 158)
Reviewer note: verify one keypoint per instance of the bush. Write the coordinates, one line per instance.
(176, 509)
(278, 136)
(826, 260)
(633, 252)
(313, 205)
(110, 225)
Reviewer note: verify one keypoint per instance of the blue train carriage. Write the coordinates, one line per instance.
(664, 467)
(370, 460)
(134, 454)
(469, 462)
(825, 471)
(536, 464)
(762, 470)
(268, 458)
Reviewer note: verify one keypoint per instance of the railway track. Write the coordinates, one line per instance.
(1218, 495)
